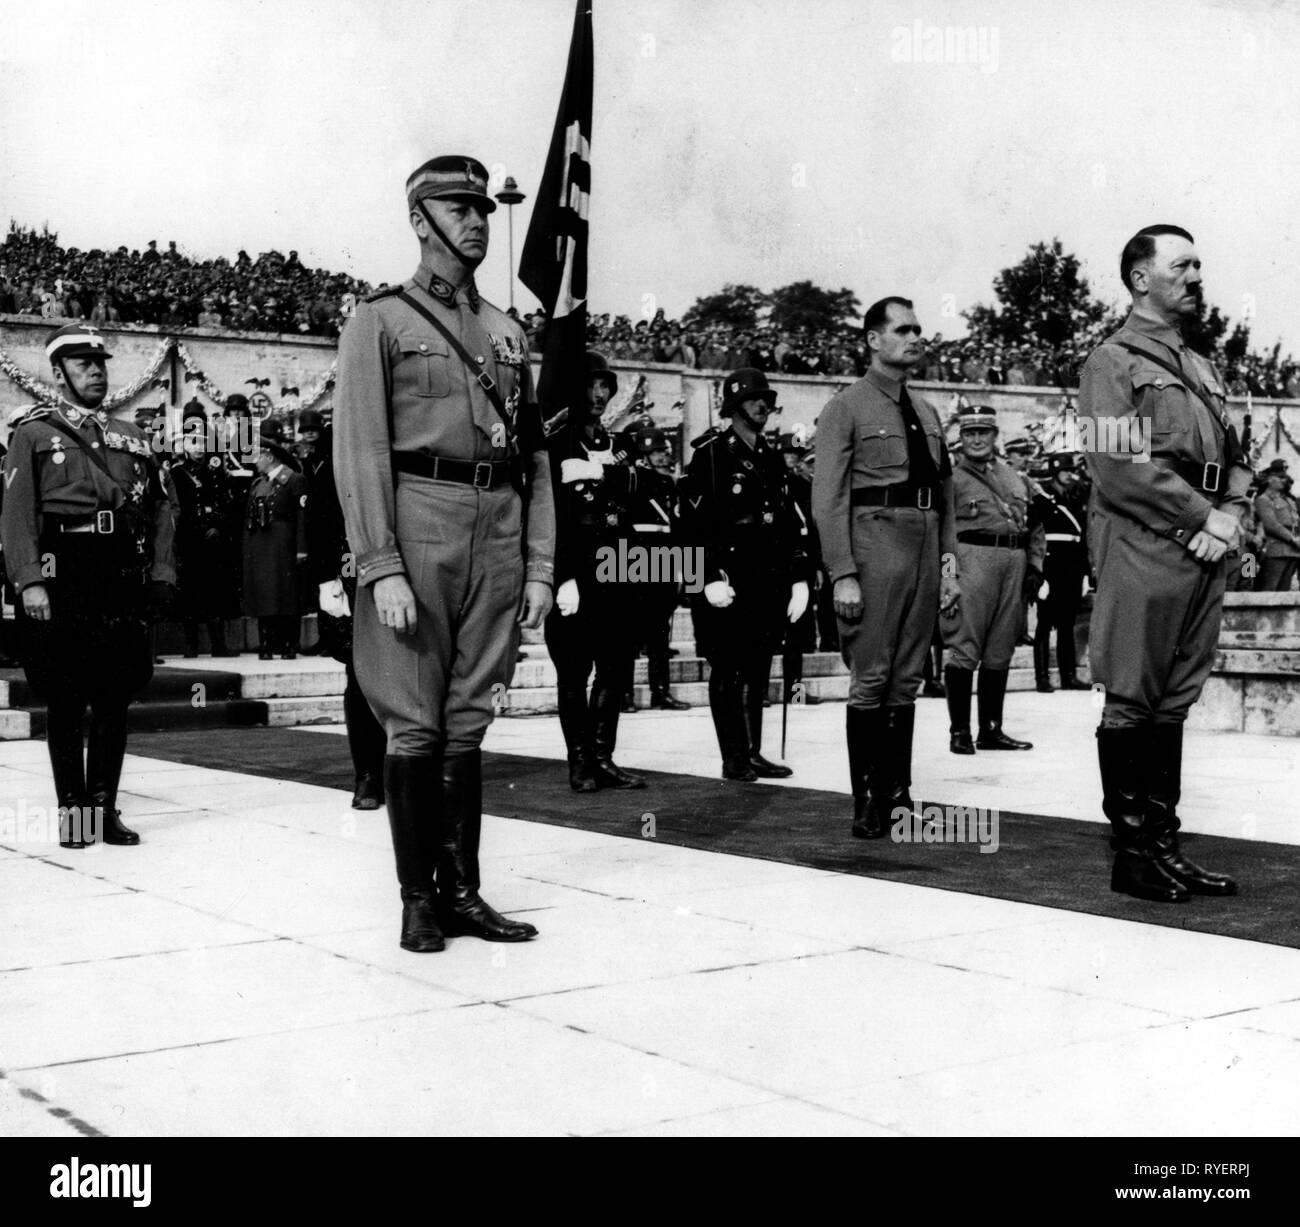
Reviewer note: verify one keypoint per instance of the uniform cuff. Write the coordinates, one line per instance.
(843, 570)
(1189, 523)
(539, 573)
(379, 564)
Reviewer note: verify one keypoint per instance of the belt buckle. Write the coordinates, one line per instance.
(485, 381)
(104, 522)
(1208, 484)
(483, 469)
(924, 497)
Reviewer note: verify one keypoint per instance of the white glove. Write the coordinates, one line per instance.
(798, 602)
(572, 470)
(333, 600)
(1043, 589)
(566, 599)
(719, 594)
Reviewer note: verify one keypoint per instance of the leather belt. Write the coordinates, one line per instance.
(1001, 541)
(1207, 478)
(901, 494)
(103, 522)
(481, 474)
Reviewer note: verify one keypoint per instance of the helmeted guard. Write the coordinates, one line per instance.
(1000, 551)
(738, 509)
(656, 527)
(275, 544)
(205, 498)
(1065, 527)
(595, 617)
(87, 525)
(445, 484)
(801, 636)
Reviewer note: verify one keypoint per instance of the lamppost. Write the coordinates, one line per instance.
(510, 195)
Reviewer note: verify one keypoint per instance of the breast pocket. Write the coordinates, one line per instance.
(422, 369)
(971, 508)
(882, 447)
(1163, 410)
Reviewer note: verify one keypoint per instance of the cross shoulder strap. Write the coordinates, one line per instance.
(1180, 375)
(481, 377)
(92, 454)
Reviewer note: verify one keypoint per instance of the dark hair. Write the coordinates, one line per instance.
(878, 313)
(1142, 246)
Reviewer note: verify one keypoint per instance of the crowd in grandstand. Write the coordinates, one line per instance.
(278, 293)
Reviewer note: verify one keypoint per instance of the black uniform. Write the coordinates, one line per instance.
(98, 539)
(655, 526)
(204, 548)
(593, 523)
(1064, 569)
(329, 559)
(737, 507)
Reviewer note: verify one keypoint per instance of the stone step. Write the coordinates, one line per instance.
(15, 725)
(1257, 661)
(1270, 641)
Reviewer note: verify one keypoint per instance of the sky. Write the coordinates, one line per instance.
(742, 141)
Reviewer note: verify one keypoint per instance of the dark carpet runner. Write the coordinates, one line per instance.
(1054, 862)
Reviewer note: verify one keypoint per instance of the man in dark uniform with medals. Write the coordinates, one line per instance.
(1000, 554)
(595, 615)
(655, 525)
(204, 497)
(1169, 489)
(87, 528)
(439, 453)
(1064, 570)
(737, 508)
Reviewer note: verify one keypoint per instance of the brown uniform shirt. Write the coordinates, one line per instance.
(994, 498)
(1277, 517)
(401, 388)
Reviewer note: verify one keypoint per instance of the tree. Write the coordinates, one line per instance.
(1044, 300)
(1205, 330)
(802, 305)
(734, 306)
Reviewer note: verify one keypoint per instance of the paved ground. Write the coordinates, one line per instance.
(239, 973)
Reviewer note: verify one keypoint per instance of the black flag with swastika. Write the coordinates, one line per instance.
(554, 260)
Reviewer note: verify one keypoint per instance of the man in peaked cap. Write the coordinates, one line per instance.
(1000, 553)
(1277, 517)
(87, 528)
(882, 501)
(738, 509)
(445, 485)
(1065, 525)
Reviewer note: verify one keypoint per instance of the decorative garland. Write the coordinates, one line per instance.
(47, 394)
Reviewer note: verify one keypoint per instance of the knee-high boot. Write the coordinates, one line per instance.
(1043, 655)
(1164, 769)
(68, 765)
(729, 723)
(412, 790)
(992, 694)
(1121, 755)
(606, 703)
(751, 707)
(105, 750)
(1066, 660)
(462, 911)
(865, 728)
(959, 683)
(366, 741)
(900, 723)
(575, 724)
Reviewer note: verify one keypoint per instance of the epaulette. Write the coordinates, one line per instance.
(387, 292)
(709, 436)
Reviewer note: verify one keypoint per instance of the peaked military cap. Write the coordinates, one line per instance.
(75, 341)
(450, 177)
(1019, 446)
(977, 417)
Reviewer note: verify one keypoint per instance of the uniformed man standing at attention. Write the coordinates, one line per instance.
(445, 485)
(1169, 483)
(1277, 517)
(88, 525)
(1064, 570)
(882, 502)
(1000, 554)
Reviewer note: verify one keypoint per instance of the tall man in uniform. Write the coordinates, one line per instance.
(738, 509)
(1000, 554)
(88, 524)
(1277, 517)
(882, 502)
(437, 440)
(1169, 483)
(1065, 568)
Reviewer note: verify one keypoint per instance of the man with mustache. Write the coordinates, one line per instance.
(882, 501)
(1169, 489)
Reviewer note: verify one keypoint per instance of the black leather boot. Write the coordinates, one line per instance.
(751, 710)
(265, 636)
(958, 683)
(366, 742)
(900, 723)
(105, 750)
(191, 629)
(575, 724)
(68, 765)
(412, 788)
(462, 911)
(1121, 755)
(1066, 660)
(1042, 663)
(729, 724)
(992, 693)
(605, 704)
(217, 638)
(865, 728)
(1164, 767)
(661, 698)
